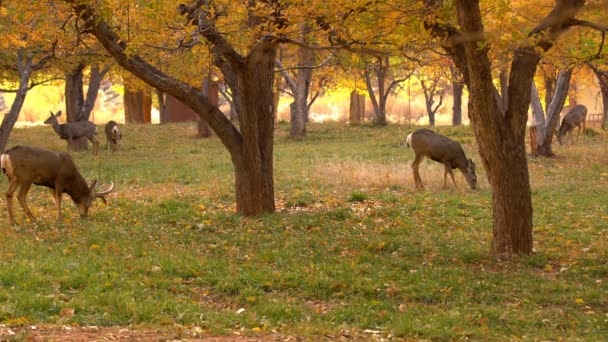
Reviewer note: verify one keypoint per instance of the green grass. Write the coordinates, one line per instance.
(351, 247)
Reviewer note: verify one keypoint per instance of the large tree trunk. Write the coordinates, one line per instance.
(138, 105)
(545, 137)
(254, 163)
(501, 137)
(10, 118)
(74, 101)
(357, 107)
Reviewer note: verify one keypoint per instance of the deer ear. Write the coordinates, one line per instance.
(58, 113)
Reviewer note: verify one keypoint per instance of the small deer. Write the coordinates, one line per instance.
(113, 136)
(439, 148)
(575, 118)
(74, 130)
(26, 165)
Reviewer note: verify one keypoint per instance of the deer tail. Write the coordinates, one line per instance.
(5, 163)
(408, 140)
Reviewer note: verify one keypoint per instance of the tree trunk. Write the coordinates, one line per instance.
(357, 107)
(254, 164)
(163, 114)
(537, 126)
(138, 105)
(602, 77)
(545, 137)
(10, 118)
(211, 88)
(379, 102)
(74, 101)
(458, 89)
(299, 117)
(501, 138)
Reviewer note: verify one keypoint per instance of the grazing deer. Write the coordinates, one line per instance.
(575, 118)
(74, 130)
(113, 136)
(25, 165)
(427, 143)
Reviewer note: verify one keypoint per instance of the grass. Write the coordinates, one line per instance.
(352, 246)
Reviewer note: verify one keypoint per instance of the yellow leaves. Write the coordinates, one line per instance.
(579, 301)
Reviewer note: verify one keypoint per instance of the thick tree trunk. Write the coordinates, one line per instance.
(74, 101)
(138, 105)
(254, 163)
(458, 89)
(10, 118)
(501, 138)
(545, 137)
(537, 126)
(357, 107)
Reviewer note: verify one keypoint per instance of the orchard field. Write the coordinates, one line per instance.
(353, 251)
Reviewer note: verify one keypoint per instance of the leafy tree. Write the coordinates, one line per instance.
(500, 132)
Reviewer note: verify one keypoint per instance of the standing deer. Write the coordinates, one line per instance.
(113, 136)
(575, 118)
(439, 148)
(25, 165)
(74, 130)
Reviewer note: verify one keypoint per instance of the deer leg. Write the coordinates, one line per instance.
(9, 199)
(57, 197)
(25, 187)
(415, 165)
(579, 132)
(448, 169)
(95, 143)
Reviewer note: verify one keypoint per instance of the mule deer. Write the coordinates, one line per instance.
(439, 148)
(74, 130)
(575, 118)
(26, 165)
(113, 136)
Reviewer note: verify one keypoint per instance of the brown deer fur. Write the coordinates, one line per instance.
(113, 136)
(26, 165)
(575, 118)
(439, 148)
(74, 130)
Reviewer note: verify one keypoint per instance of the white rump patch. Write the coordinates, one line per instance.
(408, 140)
(5, 163)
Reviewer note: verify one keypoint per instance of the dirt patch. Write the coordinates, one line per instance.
(94, 333)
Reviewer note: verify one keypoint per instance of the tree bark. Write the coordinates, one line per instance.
(602, 77)
(24, 65)
(379, 102)
(458, 89)
(163, 114)
(211, 88)
(74, 101)
(357, 107)
(545, 137)
(299, 110)
(429, 99)
(138, 105)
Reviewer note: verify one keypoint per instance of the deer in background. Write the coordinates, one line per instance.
(439, 148)
(575, 118)
(74, 130)
(25, 165)
(113, 136)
